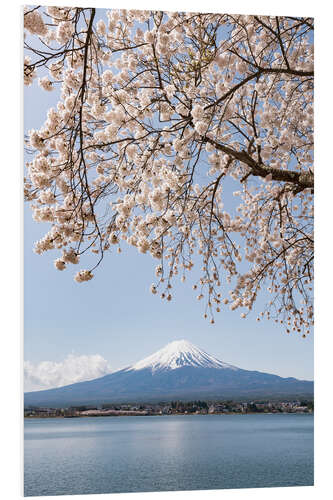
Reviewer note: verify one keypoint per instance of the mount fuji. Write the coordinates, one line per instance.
(178, 354)
(178, 371)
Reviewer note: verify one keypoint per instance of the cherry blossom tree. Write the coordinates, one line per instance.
(160, 115)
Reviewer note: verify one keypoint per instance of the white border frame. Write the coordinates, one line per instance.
(12, 244)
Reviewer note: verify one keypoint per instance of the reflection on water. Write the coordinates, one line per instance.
(131, 454)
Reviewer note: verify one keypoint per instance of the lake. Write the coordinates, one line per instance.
(166, 453)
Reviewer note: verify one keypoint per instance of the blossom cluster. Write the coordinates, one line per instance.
(152, 126)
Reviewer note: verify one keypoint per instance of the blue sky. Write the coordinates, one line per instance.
(116, 316)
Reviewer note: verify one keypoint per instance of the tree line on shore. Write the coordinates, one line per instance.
(176, 407)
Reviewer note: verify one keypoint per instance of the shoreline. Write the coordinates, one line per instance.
(31, 417)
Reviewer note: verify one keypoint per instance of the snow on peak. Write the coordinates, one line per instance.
(177, 354)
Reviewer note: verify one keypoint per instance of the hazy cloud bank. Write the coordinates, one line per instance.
(49, 374)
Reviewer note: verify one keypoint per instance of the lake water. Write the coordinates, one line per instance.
(136, 454)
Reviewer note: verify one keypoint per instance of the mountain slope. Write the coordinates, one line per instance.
(178, 354)
(178, 371)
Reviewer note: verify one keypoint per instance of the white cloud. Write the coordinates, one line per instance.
(50, 374)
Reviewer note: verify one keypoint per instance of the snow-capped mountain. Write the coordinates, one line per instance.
(176, 355)
(178, 371)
